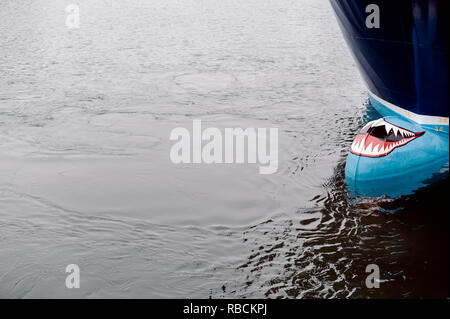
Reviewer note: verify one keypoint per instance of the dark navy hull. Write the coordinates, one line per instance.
(401, 49)
(405, 61)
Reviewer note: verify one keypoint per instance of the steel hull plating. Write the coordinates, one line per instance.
(404, 62)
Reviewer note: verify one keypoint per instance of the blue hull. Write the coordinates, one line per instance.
(401, 49)
(405, 169)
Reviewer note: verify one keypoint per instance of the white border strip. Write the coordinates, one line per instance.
(421, 119)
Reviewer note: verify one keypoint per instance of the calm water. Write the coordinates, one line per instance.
(85, 175)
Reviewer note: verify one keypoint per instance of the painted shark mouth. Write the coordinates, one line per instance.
(379, 138)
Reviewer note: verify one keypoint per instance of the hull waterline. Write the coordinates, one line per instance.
(401, 49)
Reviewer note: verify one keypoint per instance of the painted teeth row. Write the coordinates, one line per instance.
(358, 147)
(388, 127)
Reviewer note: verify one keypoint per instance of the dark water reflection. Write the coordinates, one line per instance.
(324, 253)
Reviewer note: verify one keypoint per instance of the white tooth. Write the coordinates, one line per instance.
(388, 127)
(395, 129)
(361, 147)
(375, 150)
(369, 149)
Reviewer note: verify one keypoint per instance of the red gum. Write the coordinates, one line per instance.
(375, 141)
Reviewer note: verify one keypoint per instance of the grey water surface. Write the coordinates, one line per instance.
(86, 178)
